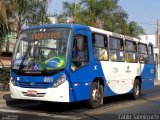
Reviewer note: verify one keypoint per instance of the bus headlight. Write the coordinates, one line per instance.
(60, 81)
(12, 81)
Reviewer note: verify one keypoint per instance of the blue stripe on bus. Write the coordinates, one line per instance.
(148, 76)
(82, 92)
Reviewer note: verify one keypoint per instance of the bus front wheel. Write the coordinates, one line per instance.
(96, 95)
(136, 89)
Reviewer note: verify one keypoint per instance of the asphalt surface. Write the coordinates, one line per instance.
(114, 108)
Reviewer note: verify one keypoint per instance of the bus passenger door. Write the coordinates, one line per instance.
(146, 60)
(80, 66)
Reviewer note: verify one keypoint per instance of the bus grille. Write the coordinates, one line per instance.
(33, 85)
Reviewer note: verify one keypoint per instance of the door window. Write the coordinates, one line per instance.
(80, 54)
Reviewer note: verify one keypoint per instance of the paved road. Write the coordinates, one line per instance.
(118, 107)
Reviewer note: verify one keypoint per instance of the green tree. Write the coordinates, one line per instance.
(134, 29)
(3, 31)
(38, 13)
(14, 14)
(21, 12)
(105, 14)
(3, 23)
(71, 11)
(96, 13)
(61, 18)
(30, 12)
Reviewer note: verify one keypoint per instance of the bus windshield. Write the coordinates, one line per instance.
(41, 49)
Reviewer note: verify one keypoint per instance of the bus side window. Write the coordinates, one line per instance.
(116, 49)
(142, 50)
(100, 47)
(150, 59)
(131, 51)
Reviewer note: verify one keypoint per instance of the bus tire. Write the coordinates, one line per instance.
(96, 95)
(136, 89)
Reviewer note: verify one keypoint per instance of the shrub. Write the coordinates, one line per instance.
(4, 77)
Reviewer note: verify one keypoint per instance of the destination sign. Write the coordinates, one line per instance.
(46, 35)
(122, 36)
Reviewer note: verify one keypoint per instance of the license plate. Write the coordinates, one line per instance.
(32, 92)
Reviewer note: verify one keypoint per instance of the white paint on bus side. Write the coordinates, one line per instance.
(120, 75)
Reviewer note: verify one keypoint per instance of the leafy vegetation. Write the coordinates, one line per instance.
(15, 14)
(105, 14)
(4, 77)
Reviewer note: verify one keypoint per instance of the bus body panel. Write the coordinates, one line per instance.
(99, 72)
(119, 76)
(148, 75)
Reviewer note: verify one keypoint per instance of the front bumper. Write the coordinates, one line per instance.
(59, 94)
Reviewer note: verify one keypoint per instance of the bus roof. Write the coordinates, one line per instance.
(61, 25)
(116, 35)
(79, 26)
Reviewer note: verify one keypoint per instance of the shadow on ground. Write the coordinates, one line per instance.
(60, 108)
